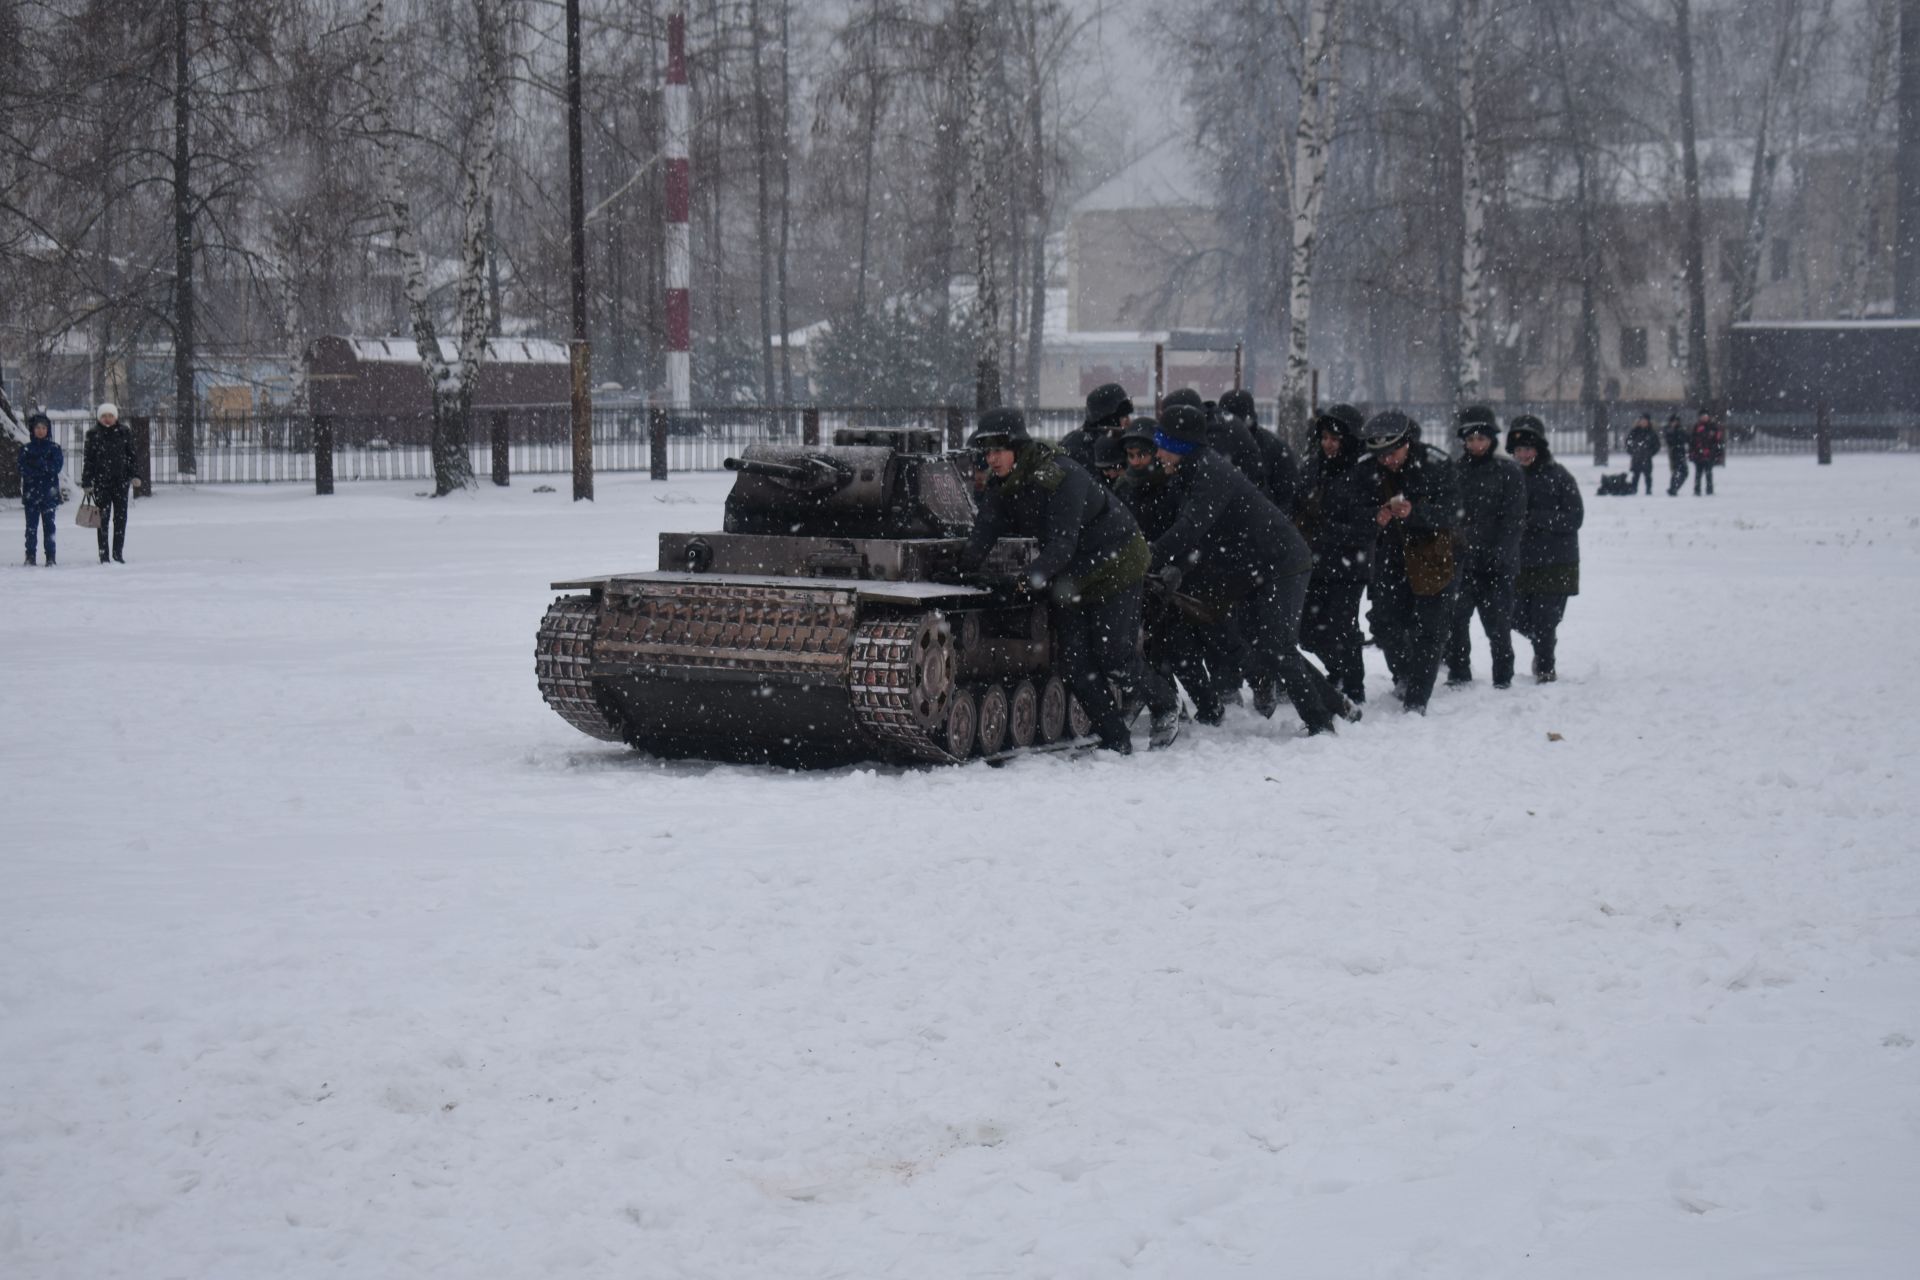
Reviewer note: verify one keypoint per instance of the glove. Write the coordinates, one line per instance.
(1167, 577)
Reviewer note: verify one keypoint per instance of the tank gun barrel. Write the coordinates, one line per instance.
(814, 473)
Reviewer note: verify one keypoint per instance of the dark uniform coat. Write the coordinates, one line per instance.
(1550, 549)
(1233, 439)
(1078, 444)
(1708, 446)
(1335, 512)
(1427, 481)
(1088, 540)
(1283, 475)
(1493, 508)
(1149, 495)
(40, 464)
(1228, 538)
(1643, 445)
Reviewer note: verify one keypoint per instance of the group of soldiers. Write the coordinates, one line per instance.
(1193, 549)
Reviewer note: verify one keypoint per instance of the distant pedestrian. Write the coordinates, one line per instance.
(40, 463)
(1677, 441)
(1707, 450)
(106, 472)
(1643, 445)
(1550, 547)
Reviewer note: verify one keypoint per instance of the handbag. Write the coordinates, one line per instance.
(87, 516)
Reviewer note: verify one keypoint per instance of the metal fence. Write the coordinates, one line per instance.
(537, 439)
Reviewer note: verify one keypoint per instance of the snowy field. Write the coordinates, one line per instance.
(327, 950)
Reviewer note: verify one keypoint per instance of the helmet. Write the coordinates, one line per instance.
(1107, 402)
(999, 428)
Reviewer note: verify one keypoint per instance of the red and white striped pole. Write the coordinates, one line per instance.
(679, 237)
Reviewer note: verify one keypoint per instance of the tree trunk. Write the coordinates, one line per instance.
(1753, 240)
(1693, 247)
(786, 197)
(763, 209)
(1036, 215)
(1884, 37)
(1906, 245)
(1312, 139)
(1473, 205)
(986, 307)
(185, 397)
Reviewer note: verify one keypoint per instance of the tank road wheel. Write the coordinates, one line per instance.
(1053, 710)
(1023, 715)
(993, 719)
(1078, 720)
(931, 670)
(963, 725)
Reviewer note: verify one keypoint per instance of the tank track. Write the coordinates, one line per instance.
(563, 661)
(902, 683)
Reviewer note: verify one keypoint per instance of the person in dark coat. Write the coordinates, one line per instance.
(1276, 459)
(1091, 564)
(1413, 583)
(1550, 549)
(1643, 446)
(1677, 440)
(107, 470)
(1335, 514)
(1230, 544)
(1493, 516)
(1108, 412)
(1144, 486)
(1109, 459)
(40, 463)
(1228, 436)
(1706, 449)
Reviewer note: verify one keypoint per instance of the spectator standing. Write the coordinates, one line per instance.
(1643, 444)
(1707, 450)
(107, 471)
(1677, 442)
(40, 463)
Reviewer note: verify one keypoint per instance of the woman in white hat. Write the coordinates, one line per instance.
(107, 470)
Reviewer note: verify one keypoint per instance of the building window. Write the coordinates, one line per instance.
(1730, 253)
(1633, 348)
(1782, 259)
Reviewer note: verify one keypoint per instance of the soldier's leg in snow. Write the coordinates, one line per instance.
(1460, 632)
(33, 534)
(104, 531)
(1074, 626)
(1348, 665)
(1387, 615)
(47, 523)
(1706, 469)
(1274, 636)
(1116, 645)
(1429, 617)
(1496, 616)
(1548, 610)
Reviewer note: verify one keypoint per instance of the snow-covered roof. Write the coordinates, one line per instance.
(499, 350)
(1169, 174)
(1827, 324)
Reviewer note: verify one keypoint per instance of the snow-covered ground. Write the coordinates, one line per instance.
(327, 950)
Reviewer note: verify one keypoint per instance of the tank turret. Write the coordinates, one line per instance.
(825, 621)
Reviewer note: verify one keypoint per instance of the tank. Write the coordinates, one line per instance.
(825, 623)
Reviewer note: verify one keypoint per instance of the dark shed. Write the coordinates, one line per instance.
(381, 377)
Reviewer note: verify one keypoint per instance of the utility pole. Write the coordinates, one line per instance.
(577, 227)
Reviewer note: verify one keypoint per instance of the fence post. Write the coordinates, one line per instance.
(810, 425)
(956, 427)
(143, 457)
(500, 454)
(1823, 436)
(322, 454)
(657, 443)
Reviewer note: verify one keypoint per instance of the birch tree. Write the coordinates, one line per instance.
(1312, 146)
(1779, 101)
(1883, 39)
(1693, 240)
(452, 385)
(974, 26)
(1473, 201)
